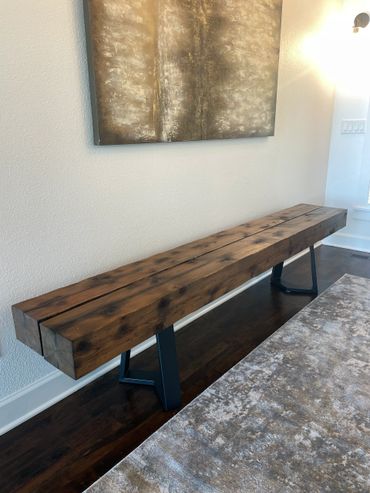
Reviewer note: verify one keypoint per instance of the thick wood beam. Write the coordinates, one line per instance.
(29, 314)
(84, 337)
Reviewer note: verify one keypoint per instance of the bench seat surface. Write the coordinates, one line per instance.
(79, 327)
(292, 416)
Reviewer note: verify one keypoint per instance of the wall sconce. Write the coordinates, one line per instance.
(361, 20)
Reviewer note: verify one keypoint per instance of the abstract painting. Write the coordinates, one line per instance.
(180, 70)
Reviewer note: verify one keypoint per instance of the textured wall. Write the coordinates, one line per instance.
(69, 209)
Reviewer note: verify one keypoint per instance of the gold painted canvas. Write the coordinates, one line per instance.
(175, 70)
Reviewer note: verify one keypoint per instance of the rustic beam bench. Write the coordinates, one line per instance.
(79, 327)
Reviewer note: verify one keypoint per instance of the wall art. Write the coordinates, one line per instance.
(179, 70)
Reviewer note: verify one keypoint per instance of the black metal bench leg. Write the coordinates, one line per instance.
(277, 272)
(125, 364)
(169, 383)
(166, 381)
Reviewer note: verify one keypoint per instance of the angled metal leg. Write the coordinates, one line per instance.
(166, 382)
(277, 272)
(125, 364)
(168, 386)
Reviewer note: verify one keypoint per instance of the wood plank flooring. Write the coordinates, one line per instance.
(68, 446)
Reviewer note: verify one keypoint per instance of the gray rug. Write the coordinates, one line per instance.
(293, 416)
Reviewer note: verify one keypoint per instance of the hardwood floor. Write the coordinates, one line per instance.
(68, 446)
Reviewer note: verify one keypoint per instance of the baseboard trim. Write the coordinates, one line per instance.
(26, 403)
(349, 241)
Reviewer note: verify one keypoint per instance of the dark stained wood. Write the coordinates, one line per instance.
(29, 314)
(83, 337)
(79, 340)
(27, 329)
(68, 446)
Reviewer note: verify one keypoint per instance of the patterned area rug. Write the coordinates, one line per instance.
(293, 416)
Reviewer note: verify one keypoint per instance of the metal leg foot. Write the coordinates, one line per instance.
(166, 382)
(277, 272)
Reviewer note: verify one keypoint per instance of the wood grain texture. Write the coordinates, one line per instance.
(101, 329)
(29, 314)
(27, 329)
(86, 324)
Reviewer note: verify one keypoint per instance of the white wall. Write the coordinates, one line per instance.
(70, 210)
(349, 162)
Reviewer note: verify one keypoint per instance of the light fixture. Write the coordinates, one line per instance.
(361, 20)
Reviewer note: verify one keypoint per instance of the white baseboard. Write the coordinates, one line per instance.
(38, 396)
(349, 241)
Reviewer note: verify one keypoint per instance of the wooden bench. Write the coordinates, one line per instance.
(79, 327)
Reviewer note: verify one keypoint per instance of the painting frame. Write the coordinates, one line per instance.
(225, 120)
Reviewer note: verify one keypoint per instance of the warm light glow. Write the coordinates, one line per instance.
(340, 55)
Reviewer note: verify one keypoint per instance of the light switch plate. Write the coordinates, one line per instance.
(353, 126)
